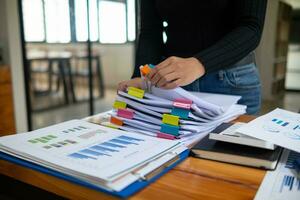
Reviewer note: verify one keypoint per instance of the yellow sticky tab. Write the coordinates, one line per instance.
(170, 119)
(136, 92)
(110, 125)
(119, 104)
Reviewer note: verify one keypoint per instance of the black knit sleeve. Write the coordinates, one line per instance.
(150, 41)
(238, 43)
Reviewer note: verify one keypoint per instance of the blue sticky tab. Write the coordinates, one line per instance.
(151, 66)
(182, 113)
(170, 129)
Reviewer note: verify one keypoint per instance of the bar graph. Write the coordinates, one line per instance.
(107, 148)
(290, 183)
(290, 163)
(280, 122)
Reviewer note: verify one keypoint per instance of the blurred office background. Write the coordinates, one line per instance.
(62, 59)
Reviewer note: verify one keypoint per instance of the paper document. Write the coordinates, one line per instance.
(283, 183)
(90, 152)
(279, 127)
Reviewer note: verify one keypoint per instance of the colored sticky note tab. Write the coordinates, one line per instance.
(116, 121)
(110, 125)
(151, 66)
(170, 119)
(145, 70)
(166, 128)
(119, 104)
(136, 92)
(182, 103)
(166, 136)
(125, 113)
(182, 113)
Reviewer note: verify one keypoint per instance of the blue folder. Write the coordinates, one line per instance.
(128, 191)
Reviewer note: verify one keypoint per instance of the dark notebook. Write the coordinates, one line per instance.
(237, 154)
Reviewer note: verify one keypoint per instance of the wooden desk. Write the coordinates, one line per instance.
(192, 179)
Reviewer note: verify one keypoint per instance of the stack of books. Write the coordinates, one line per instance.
(226, 144)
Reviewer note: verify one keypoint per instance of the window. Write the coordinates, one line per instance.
(33, 20)
(81, 20)
(111, 21)
(57, 17)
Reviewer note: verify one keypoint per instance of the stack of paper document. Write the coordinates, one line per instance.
(96, 155)
(173, 114)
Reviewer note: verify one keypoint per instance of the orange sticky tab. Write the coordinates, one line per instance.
(145, 70)
(116, 121)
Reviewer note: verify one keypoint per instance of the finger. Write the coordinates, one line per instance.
(172, 85)
(161, 73)
(157, 67)
(168, 78)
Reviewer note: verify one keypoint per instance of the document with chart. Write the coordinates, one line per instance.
(280, 127)
(284, 182)
(107, 157)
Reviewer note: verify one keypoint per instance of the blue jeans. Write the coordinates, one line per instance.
(240, 80)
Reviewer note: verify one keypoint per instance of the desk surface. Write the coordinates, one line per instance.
(193, 179)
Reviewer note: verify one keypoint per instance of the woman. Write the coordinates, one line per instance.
(209, 46)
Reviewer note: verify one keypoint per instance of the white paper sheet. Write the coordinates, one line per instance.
(279, 127)
(284, 182)
(94, 153)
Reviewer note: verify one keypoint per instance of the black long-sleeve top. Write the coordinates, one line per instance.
(218, 33)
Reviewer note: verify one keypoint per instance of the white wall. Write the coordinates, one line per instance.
(16, 64)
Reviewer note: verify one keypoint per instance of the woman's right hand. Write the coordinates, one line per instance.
(135, 82)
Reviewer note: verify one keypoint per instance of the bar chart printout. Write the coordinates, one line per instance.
(107, 148)
(284, 182)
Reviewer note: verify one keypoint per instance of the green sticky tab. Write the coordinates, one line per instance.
(136, 92)
(170, 119)
(51, 136)
(32, 141)
(119, 104)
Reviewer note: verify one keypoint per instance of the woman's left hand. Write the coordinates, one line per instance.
(174, 72)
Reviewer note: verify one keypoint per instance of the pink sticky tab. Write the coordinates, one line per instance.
(125, 113)
(182, 103)
(165, 136)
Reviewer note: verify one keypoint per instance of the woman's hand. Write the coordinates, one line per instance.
(174, 72)
(135, 82)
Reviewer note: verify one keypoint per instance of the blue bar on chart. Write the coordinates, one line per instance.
(81, 156)
(93, 153)
(123, 137)
(123, 142)
(109, 144)
(290, 182)
(100, 148)
(280, 122)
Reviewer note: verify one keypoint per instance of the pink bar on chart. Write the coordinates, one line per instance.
(125, 113)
